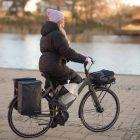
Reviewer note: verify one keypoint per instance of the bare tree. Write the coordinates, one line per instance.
(86, 8)
(1, 3)
(54, 3)
(17, 6)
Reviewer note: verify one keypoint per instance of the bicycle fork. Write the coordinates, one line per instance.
(95, 99)
(96, 102)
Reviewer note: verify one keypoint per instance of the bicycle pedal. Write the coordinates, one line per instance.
(53, 124)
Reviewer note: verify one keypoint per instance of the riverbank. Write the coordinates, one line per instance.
(127, 127)
(33, 24)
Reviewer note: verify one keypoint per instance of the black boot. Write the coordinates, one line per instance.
(54, 119)
(63, 117)
(54, 122)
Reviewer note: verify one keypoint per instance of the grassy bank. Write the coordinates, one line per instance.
(32, 24)
(20, 25)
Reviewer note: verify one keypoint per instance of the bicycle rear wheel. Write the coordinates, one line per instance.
(99, 121)
(29, 126)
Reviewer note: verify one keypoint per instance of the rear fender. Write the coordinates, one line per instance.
(15, 98)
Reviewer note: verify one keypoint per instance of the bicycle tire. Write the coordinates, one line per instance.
(15, 130)
(81, 113)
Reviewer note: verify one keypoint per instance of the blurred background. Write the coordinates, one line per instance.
(106, 30)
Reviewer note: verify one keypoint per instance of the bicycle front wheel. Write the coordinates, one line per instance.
(99, 121)
(29, 126)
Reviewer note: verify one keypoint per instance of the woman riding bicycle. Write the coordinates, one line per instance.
(99, 108)
(54, 46)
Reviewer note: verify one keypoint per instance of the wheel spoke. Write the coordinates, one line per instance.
(89, 111)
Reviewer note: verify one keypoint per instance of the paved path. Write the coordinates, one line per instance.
(127, 127)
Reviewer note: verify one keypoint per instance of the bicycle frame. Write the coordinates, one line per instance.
(87, 82)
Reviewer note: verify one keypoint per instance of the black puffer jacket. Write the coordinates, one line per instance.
(55, 49)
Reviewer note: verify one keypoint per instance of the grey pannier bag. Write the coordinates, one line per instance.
(29, 97)
(71, 95)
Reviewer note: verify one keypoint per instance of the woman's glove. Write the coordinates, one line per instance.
(89, 60)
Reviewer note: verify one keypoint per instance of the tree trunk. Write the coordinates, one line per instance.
(1, 4)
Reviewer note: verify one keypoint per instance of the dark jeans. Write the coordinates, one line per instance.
(75, 78)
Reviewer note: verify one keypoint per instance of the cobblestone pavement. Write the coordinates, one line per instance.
(127, 127)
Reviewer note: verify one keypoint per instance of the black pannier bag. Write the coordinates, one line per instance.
(102, 77)
(16, 80)
(20, 79)
(29, 97)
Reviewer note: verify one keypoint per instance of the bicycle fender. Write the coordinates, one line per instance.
(79, 113)
(12, 101)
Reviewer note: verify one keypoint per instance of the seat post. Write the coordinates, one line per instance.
(51, 85)
(46, 76)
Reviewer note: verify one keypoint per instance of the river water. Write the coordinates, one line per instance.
(118, 53)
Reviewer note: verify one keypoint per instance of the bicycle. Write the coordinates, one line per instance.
(100, 104)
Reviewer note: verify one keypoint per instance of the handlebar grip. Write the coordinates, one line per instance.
(85, 64)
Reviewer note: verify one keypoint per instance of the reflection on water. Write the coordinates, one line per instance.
(118, 53)
(18, 51)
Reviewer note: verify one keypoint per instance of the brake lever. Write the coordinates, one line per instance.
(90, 67)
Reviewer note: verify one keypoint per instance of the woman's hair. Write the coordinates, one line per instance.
(63, 32)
